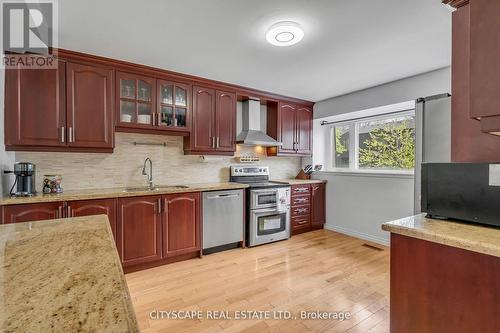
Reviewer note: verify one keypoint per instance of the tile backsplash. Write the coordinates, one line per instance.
(124, 166)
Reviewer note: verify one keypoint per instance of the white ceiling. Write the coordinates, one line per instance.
(348, 44)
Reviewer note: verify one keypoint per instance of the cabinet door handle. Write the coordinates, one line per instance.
(218, 142)
(159, 206)
(59, 212)
(213, 142)
(158, 119)
(68, 211)
(71, 135)
(63, 134)
(302, 222)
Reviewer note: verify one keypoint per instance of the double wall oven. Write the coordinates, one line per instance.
(268, 205)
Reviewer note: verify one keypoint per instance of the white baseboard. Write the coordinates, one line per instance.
(357, 234)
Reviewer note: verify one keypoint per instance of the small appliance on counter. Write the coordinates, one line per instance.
(463, 191)
(25, 184)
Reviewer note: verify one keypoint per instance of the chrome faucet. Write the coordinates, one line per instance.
(150, 174)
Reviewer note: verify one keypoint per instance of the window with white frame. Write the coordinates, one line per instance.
(378, 143)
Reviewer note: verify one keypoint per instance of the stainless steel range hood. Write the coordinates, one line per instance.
(251, 134)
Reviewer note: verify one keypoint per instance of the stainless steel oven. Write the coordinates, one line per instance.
(268, 204)
(269, 217)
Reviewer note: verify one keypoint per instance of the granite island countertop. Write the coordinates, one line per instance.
(472, 237)
(63, 275)
(108, 193)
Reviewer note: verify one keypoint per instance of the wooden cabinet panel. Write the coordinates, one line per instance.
(318, 205)
(90, 105)
(484, 58)
(300, 224)
(202, 135)
(35, 107)
(225, 131)
(181, 224)
(32, 212)
(139, 230)
(439, 288)
(468, 143)
(287, 128)
(304, 131)
(94, 207)
(301, 189)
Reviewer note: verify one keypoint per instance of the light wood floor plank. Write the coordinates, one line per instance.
(316, 271)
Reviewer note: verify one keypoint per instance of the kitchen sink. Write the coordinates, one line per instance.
(155, 188)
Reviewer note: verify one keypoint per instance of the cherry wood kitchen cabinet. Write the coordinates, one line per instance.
(318, 205)
(225, 121)
(32, 212)
(35, 107)
(135, 101)
(292, 126)
(93, 207)
(181, 224)
(174, 106)
(214, 123)
(139, 229)
(63, 109)
(89, 106)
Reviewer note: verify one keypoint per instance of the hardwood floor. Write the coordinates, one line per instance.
(317, 271)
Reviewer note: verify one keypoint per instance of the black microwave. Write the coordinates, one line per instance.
(462, 191)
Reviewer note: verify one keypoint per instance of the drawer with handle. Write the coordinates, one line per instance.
(301, 200)
(301, 210)
(300, 222)
(301, 189)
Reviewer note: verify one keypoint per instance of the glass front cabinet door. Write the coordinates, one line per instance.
(173, 105)
(136, 100)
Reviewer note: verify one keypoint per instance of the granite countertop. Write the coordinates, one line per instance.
(472, 237)
(116, 193)
(300, 181)
(63, 275)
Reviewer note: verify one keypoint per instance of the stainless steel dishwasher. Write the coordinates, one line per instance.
(222, 220)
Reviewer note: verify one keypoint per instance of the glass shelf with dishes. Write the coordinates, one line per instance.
(173, 100)
(136, 100)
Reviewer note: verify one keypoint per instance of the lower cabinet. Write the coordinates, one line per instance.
(32, 212)
(318, 206)
(307, 207)
(94, 207)
(181, 224)
(139, 230)
(155, 228)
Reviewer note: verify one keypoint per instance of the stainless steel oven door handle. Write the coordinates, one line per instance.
(261, 212)
(265, 191)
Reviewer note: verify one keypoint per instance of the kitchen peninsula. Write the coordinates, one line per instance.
(444, 275)
(63, 275)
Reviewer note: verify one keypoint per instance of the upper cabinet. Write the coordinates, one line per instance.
(35, 107)
(214, 123)
(174, 101)
(135, 100)
(147, 104)
(89, 93)
(63, 109)
(292, 126)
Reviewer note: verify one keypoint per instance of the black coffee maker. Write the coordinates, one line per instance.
(25, 185)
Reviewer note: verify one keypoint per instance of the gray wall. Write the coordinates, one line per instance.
(427, 84)
(358, 204)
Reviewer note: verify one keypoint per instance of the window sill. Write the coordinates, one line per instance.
(370, 173)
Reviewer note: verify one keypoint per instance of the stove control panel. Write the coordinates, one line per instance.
(240, 170)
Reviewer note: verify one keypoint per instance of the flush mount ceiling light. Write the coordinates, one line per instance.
(284, 33)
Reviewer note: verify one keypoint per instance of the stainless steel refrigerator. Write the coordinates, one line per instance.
(432, 135)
